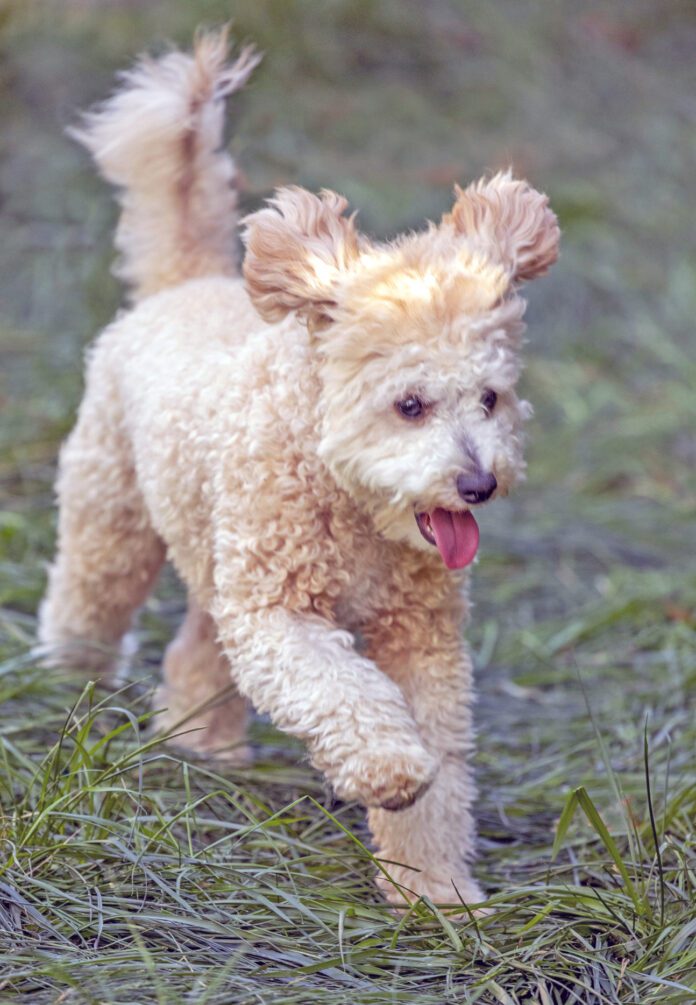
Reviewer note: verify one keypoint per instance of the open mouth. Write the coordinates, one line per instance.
(454, 533)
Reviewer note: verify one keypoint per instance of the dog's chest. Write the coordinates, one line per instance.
(369, 576)
(367, 589)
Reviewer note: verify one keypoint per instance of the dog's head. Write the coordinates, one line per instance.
(418, 341)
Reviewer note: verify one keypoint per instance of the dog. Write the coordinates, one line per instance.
(307, 443)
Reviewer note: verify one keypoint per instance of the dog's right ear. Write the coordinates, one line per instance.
(297, 248)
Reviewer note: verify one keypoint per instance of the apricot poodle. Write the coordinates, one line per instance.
(306, 443)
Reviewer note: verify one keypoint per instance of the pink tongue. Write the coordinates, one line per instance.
(456, 536)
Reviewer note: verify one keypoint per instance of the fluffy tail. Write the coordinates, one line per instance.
(158, 138)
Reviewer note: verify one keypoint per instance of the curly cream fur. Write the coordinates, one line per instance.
(268, 463)
(158, 139)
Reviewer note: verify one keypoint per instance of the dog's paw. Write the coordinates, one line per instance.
(204, 735)
(388, 777)
(402, 887)
(241, 756)
(98, 663)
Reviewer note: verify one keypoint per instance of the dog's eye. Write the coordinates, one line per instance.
(411, 408)
(488, 401)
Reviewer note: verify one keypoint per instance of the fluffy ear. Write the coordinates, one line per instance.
(510, 222)
(297, 248)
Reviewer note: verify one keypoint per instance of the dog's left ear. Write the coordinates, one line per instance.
(508, 221)
(297, 248)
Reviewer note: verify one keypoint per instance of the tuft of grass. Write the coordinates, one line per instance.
(131, 874)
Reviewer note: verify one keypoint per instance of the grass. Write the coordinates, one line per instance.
(130, 875)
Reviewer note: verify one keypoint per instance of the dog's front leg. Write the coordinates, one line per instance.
(355, 721)
(432, 842)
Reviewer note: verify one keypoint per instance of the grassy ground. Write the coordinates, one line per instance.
(129, 875)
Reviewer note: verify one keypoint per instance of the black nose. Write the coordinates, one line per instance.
(477, 487)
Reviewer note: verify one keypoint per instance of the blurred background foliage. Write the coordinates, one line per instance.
(390, 102)
(586, 576)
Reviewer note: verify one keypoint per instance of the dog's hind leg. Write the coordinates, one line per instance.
(201, 704)
(108, 553)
